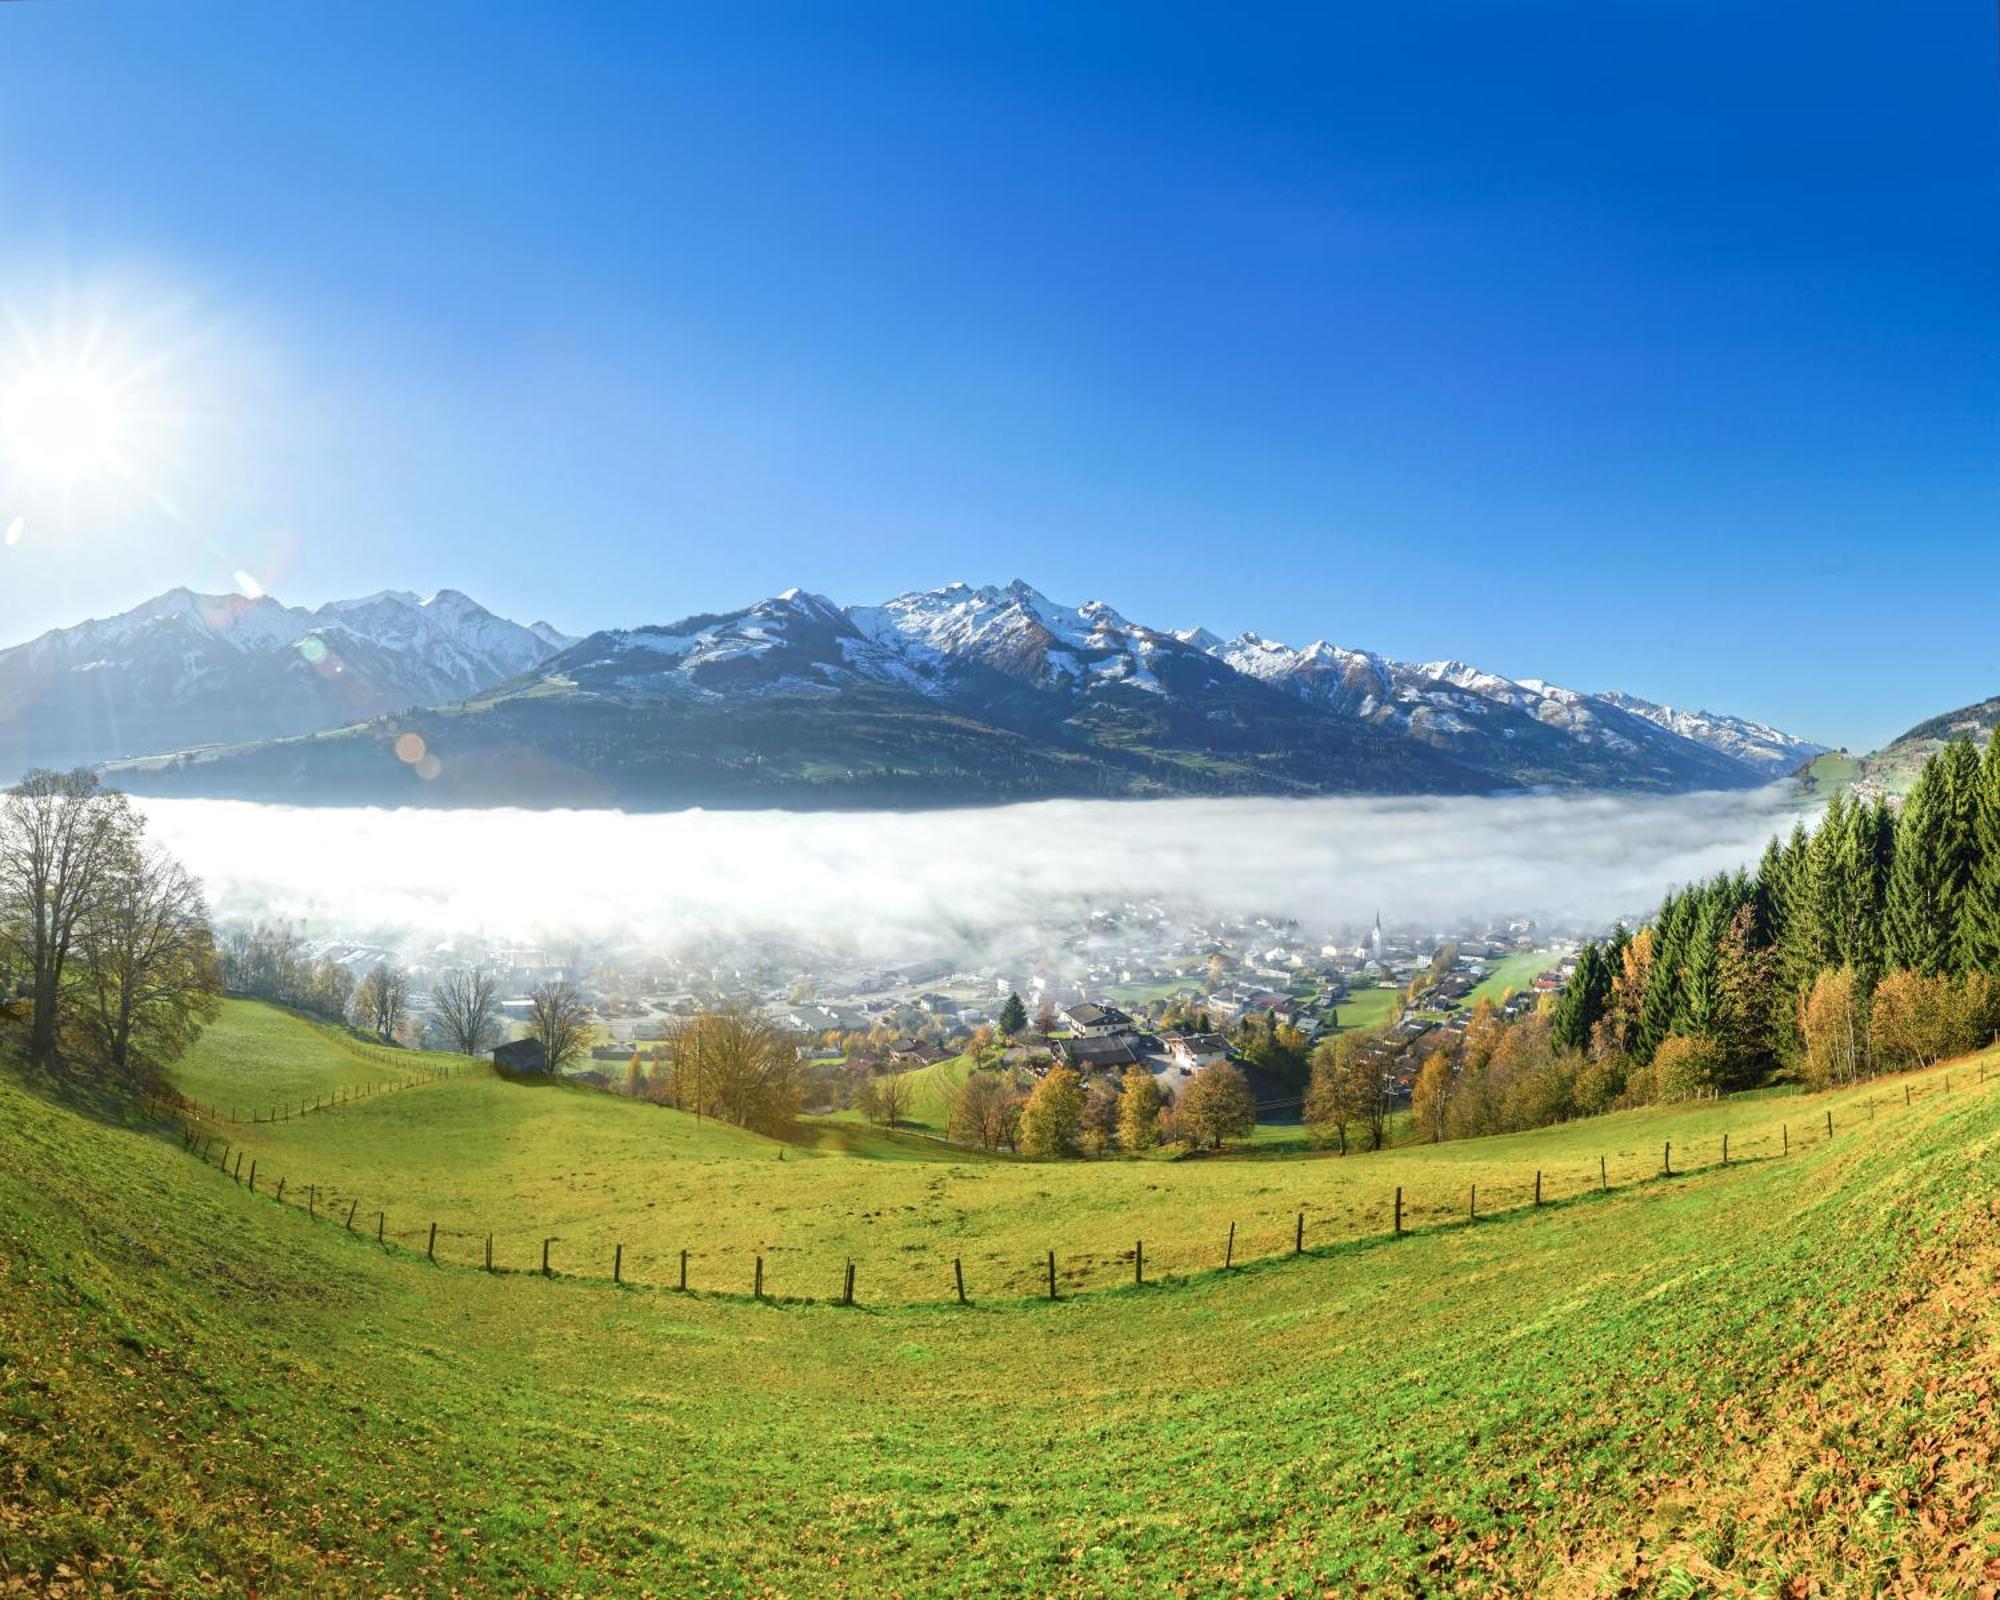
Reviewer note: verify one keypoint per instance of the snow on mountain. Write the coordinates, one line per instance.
(1757, 744)
(946, 643)
(1448, 699)
(1015, 630)
(1137, 705)
(185, 668)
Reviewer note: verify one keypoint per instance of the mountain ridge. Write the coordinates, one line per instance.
(961, 695)
(185, 668)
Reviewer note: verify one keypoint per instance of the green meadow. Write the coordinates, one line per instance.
(1772, 1379)
(592, 1173)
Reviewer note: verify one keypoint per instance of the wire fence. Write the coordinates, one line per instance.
(775, 1275)
(169, 1101)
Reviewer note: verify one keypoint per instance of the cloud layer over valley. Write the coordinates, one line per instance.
(889, 887)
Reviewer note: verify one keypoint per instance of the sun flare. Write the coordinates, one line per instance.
(62, 424)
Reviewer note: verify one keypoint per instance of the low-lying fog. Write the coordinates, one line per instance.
(896, 886)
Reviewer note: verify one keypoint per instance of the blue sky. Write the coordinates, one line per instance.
(1642, 345)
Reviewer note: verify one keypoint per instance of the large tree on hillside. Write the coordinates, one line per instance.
(62, 836)
(1330, 1102)
(382, 999)
(1139, 1110)
(1216, 1105)
(730, 1064)
(559, 1021)
(466, 1004)
(151, 976)
(1052, 1120)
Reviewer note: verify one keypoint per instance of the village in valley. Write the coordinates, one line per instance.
(1144, 985)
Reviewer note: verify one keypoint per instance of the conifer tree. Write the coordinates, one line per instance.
(1582, 1002)
(1926, 878)
(1979, 920)
(1013, 1016)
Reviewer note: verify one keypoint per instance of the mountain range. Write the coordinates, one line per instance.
(957, 695)
(192, 669)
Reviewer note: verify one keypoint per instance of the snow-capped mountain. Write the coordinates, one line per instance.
(185, 668)
(1450, 699)
(1756, 743)
(962, 694)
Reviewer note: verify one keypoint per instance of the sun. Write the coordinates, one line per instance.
(62, 424)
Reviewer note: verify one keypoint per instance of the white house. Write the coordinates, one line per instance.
(1089, 1021)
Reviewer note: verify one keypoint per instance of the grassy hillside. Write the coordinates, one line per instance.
(1777, 1379)
(479, 1156)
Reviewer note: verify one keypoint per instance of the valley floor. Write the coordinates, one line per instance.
(1776, 1379)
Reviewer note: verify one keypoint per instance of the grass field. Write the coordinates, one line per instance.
(1512, 972)
(1774, 1380)
(480, 1156)
(1370, 1008)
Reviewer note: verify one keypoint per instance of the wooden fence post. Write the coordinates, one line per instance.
(757, 1289)
(684, 1271)
(1667, 1158)
(253, 1174)
(1829, 1122)
(237, 1173)
(1725, 1149)
(1052, 1274)
(281, 1191)
(1603, 1182)
(850, 1283)
(1299, 1236)
(545, 1258)
(1906, 1095)
(1538, 1186)
(350, 1214)
(1229, 1249)
(1138, 1260)
(1399, 1209)
(958, 1276)
(1785, 1133)
(431, 1249)
(380, 1216)
(618, 1264)
(1472, 1205)
(489, 1252)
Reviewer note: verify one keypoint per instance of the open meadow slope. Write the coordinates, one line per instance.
(1777, 1379)
(480, 1156)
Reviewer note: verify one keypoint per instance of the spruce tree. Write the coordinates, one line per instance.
(1961, 786)
(1656, 1010)
(1701, 1001)
(1013, 1016)
(1925, 878)
(1979, 920)
(1582, 1001)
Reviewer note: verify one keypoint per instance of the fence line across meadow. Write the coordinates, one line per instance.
(1051, 1275)
(184, 1105)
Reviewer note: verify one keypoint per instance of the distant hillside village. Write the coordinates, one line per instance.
(1137, 986)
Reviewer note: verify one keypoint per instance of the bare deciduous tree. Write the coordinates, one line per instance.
(559, 1021)
(886, 1100)
(61, 836)
(467, 1005)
